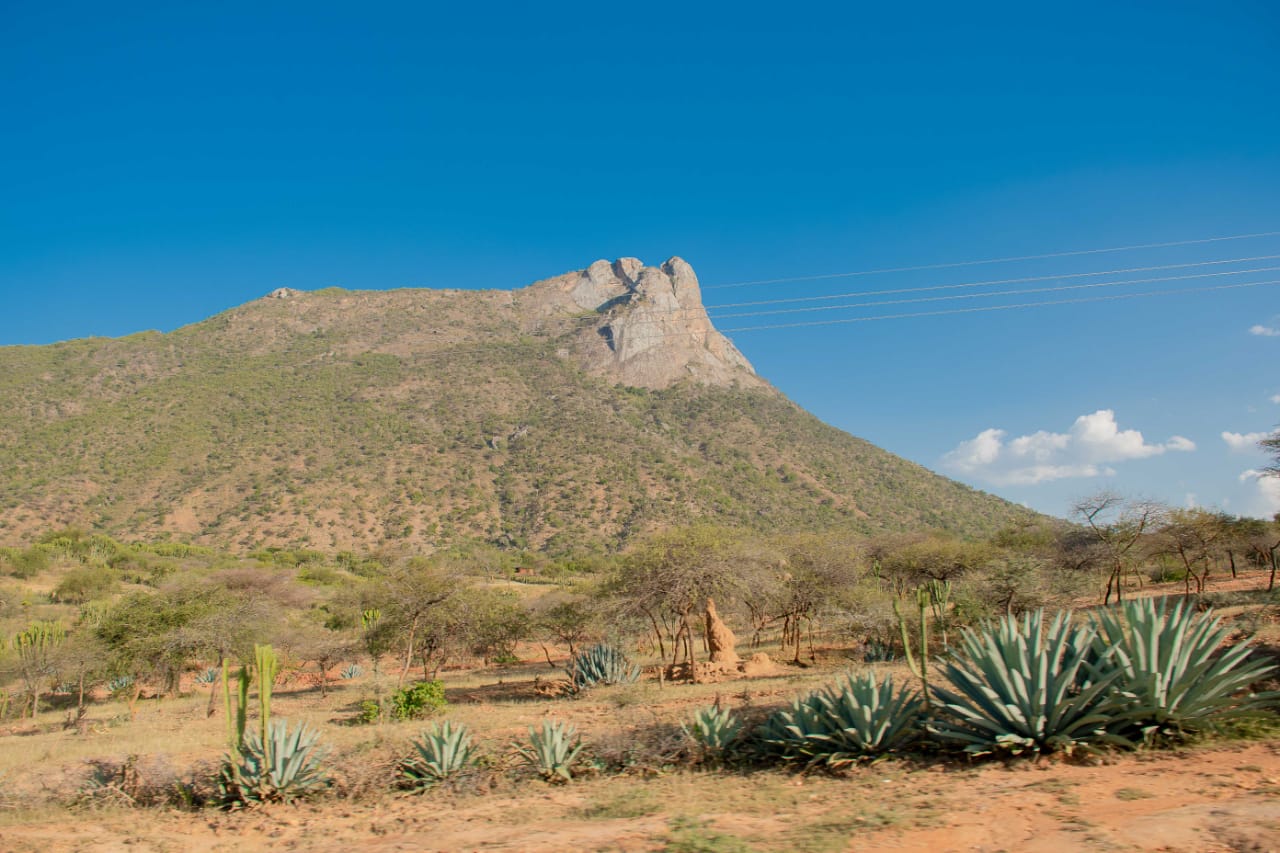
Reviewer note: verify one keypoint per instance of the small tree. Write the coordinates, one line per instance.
(671, 575)
(1119, 524)
(1271, 444)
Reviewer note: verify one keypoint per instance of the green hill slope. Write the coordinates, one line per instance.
(340, 419)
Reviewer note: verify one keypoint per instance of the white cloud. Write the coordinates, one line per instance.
(1275, 398)
(1243, 442)
(1264, 331)
(1086, 450)
(1266, 497)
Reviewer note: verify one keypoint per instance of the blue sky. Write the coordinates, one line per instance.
(161, 163)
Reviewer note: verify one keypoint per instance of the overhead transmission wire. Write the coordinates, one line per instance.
(976, 309)
(902, 316)
(1044, 303)
(684, 313)
(991, 293)
(1005, 260)
(996, 281)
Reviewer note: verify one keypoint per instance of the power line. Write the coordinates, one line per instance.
(1018, 292)
(676, 314)
(857, 293)
(484, 350)
(953, 264)
(1108, 298)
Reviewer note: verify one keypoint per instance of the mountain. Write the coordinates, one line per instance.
(571, 414)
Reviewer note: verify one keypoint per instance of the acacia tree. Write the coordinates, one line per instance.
(818, 570)
(1195, 537)
(571, 621)
(410, 598)
(1119, 524)
(669, 576)
(1271, 444)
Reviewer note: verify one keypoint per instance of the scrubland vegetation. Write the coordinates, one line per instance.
(139, 674)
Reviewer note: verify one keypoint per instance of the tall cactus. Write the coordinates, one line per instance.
(267, 665)
(35, 647)
(939, 598)
(921, 667)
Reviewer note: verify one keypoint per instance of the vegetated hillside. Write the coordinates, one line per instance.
(339, 419)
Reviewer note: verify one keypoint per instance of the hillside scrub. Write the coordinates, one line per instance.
(813, 601)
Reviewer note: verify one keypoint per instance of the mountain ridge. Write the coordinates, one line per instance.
(418, 418)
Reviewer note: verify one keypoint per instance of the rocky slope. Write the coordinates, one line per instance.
(571, 414)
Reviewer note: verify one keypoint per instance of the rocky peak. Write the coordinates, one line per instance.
(650, 327)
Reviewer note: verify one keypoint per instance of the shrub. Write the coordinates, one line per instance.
(419, 700)
(1022, 687)
(85, 584)
(28, 563)
(1167, 668)
(552, 751)
(443, 751)
(601, 664)
(286, 767)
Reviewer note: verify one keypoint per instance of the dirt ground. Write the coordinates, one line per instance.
(1224, 798)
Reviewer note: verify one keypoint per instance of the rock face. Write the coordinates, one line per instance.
(649, 329)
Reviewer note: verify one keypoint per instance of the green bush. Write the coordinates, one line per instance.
(86, 583)
(370, 712)
(28, 563)
(419, 700)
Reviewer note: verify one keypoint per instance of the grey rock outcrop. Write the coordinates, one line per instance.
(649, 329)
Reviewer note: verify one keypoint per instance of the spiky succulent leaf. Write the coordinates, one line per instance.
(1166, 664)
(1020, 685)
(601, 664)
(443, 751)
(552, 751)
(714, 729)
(864, 716)
(286, 768)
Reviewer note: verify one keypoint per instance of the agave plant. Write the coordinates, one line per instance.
(351, 670)
(443, 752)
(864, 716)
(1166, 666)
(209, 676)
(852, 719)
(788, 734)
(601, 664)
(1023, 687)
(552, 751)
(286, 767)
(119, 684)
(878, 651)
(714, 729)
